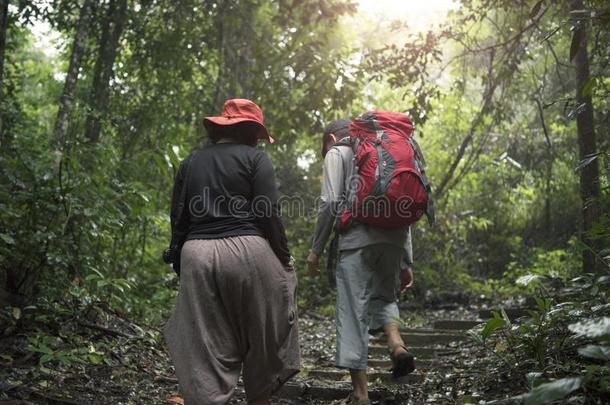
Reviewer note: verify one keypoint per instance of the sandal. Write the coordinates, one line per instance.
(403, 363)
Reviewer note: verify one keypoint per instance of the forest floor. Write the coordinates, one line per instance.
(93, 355)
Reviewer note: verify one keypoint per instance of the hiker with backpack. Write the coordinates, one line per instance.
(374, 186)
(236, 309)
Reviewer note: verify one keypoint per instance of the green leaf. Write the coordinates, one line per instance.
(492, 325)
(7, 239)
(42, 348)
(543, 304)
(552, 391)
(16, 312)
(536, 9)
(47, 370)
(45, 358)
(528, 279)
(505, 316)
(95, 358)
(592, 328)
(96, 271)
(575, 45)
(595, 352)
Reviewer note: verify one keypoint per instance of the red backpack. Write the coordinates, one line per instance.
(389, 187)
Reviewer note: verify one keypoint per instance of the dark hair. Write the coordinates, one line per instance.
(244, 132)
(339, 128)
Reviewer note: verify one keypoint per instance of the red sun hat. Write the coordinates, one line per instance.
(238, 110)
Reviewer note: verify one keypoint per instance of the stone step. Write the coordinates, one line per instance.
(418, 351)
(386, 377)
(513, 313)
(422, 339)
(455, 324)
(427, 330)
(386, 364)
(296, 391)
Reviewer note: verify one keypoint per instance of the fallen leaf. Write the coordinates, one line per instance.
(501, 346)
(175, 400)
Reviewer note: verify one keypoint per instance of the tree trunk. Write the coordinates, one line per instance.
(3, 26)
(78, 47)
(548, 231)
(587, 148)
(109, 43)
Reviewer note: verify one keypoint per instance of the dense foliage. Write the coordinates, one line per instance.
(91, 136)
(561, 347)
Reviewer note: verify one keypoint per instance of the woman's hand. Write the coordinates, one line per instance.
(289, 266)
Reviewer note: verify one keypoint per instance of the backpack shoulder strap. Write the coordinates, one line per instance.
(420, 162)
(349, 192)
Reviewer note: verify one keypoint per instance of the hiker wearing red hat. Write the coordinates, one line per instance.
(236, 310)
(239, 110)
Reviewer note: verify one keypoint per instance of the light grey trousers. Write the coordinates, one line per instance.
(366, 299)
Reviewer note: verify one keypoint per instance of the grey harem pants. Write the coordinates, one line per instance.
(366, 299)
(236, 311)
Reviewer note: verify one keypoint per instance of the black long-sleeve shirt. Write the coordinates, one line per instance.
(230, 191)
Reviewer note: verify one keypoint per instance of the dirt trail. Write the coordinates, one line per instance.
(439, 348)
(104, 358)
